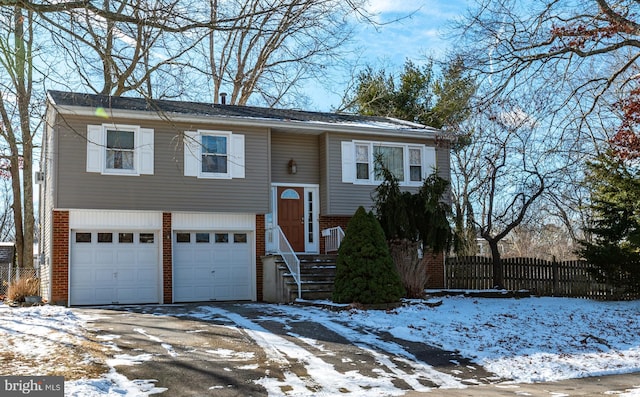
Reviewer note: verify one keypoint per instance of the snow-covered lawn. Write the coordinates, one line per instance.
(526, 340)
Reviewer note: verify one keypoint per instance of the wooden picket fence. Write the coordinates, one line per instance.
(541, 277)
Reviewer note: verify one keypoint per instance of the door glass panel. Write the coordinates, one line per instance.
(202, 237)
(146, 238)
(310, 218)
(183, 237)
(222, 237)
(125, 237)
(290, 194)
(105, 237)
(240, 237)
(83, 237)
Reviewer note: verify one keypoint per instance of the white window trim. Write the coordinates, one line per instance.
(143, 155)
(215, 175)
(193, 155)
(349, 163)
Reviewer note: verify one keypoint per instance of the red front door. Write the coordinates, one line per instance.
(291, 215)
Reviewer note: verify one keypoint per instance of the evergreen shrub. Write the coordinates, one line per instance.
(365, 272)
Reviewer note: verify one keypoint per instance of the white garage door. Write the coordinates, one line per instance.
(212, 266)
(114, 268)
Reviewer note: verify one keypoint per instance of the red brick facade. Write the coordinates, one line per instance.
(167, 259)
(435, 270)
(60, 258)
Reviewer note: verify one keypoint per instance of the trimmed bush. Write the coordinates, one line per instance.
(365, 272)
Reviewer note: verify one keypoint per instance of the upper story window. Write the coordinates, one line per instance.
(119, 149)
(410, 163)
(213, 154)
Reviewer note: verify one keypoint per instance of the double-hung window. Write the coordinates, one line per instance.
(118, 149)
(362, 162)
(213, 154)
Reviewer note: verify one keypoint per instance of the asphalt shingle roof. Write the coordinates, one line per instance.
(231, 111)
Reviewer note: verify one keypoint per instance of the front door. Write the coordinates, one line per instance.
(291, 215)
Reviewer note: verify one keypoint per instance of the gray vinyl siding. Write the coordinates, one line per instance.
(325, 188)
(167, 189)
(303, 149)
(45, 211)
(340, 198)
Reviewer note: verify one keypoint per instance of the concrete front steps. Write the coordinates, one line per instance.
(317, 278)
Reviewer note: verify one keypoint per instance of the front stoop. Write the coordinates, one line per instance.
(317, 275)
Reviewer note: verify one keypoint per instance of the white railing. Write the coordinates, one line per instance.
(280, 245)
(332, 238)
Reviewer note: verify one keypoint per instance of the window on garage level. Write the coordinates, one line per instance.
(105, 237)
(183, 237)
(124, 238)
(202, 237)
(83, 237)
(222, 237)
(146, 238)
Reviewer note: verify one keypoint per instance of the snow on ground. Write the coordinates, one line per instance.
(526, 340)
(51, 340)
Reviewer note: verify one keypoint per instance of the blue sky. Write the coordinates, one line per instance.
(388, 46)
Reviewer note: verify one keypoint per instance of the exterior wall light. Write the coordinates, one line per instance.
(292, 167)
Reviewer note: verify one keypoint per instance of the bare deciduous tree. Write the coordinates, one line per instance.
(273, 50)
(16, 128)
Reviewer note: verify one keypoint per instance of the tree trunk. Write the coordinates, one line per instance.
(498, 271)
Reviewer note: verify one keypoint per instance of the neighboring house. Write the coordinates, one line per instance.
(152, 201)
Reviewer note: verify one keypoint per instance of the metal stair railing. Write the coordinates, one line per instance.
(283, 248)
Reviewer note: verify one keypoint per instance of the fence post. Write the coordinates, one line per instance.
(556, 278)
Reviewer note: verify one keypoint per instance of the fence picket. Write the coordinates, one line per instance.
(542, 277)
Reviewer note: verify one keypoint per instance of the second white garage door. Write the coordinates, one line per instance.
(212, 265)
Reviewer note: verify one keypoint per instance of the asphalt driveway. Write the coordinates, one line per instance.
(245, 350)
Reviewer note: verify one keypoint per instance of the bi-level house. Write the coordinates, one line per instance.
(154, 201)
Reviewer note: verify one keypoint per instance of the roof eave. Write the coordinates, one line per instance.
(311, 127)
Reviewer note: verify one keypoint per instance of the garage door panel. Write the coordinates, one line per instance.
(147, 258)
(126, 256)
(104, 256)
(114, 272)
(146, 277)
(217, 269)
(203, 256)
(126, 276)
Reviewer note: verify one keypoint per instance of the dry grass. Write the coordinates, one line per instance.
(26, 286)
